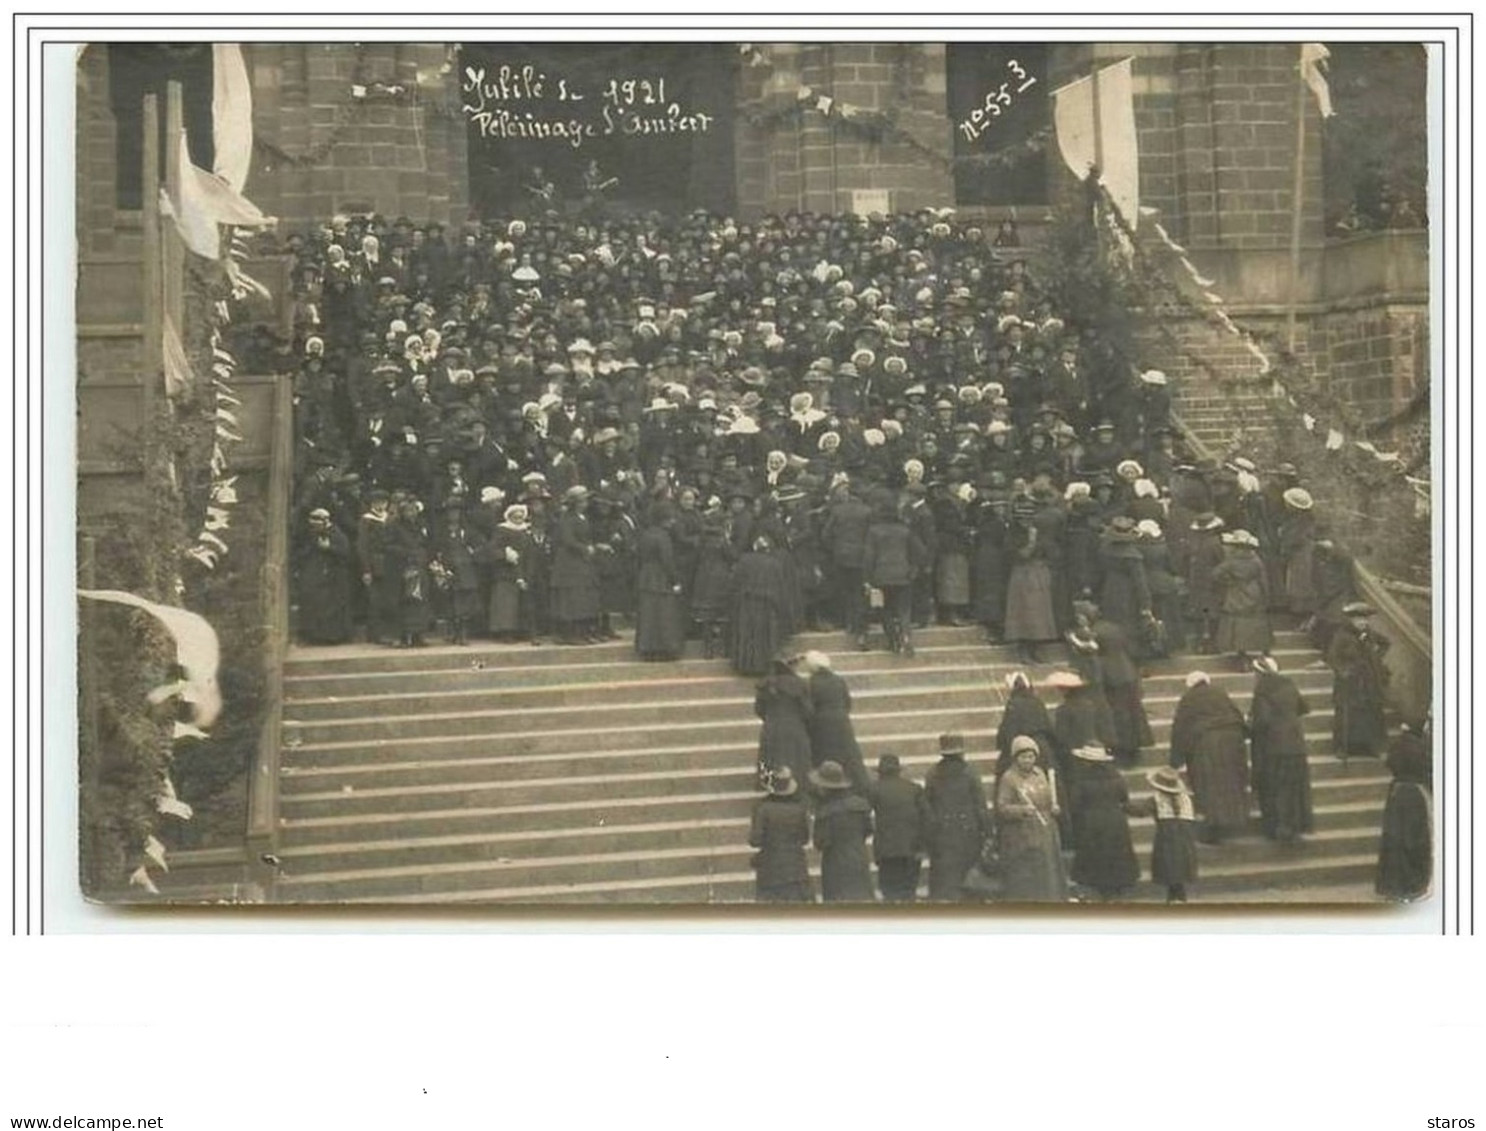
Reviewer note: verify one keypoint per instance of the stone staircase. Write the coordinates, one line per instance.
(1224, 420)
(520, 774)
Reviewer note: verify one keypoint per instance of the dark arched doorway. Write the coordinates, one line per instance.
(653, 120)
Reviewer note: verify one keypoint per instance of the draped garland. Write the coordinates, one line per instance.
(1325, 417)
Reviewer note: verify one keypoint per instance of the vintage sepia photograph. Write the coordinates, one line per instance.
(974, 474)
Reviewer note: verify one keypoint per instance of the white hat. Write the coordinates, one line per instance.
(1017, 679)
(1153, 377)
(1129, 469)
(491, 494)
(1196, 679)
(1148, 528)
(1146, 489)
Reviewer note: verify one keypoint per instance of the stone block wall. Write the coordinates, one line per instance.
(321, 149)
(102, 230)
(813, 162)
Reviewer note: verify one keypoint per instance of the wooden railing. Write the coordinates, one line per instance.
(1410, 661)
(263, 783)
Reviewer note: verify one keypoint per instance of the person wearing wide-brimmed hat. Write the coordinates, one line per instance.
(1124, 593)
(892, 556)
(782, 701)
(1103, 853)
(1027, 818)
(962, 819)
(1243, 586)
(780, 833)
(1406, 850)
(843, 822)
(1208, 740)
(844, 537)
(1031, 619)
(1297, 550)
(660, 628)
(1281, 770)
(901, 817)
(1360, 682)
(1174, 850)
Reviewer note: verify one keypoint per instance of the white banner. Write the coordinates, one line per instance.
(232, 115)
(1110, 143)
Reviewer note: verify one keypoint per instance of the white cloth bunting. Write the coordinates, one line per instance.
(140, 877)
(197, 650)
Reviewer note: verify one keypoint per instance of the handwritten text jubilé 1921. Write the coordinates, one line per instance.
(523, 104)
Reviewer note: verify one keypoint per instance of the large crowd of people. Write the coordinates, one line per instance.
(552, 427)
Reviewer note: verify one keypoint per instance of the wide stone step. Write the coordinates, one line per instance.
(1351, 875)
(344, 659)
(918, 753)
(1253, 859)
(632, 724)
(431, 696)
(494, 841)
(438, 736)
(730, 794)
(321, 796)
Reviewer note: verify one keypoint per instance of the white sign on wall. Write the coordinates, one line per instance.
(864, 202)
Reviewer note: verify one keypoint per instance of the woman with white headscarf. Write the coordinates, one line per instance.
(1208, 738)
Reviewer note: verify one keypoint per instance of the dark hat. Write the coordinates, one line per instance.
(782, 783)
(830, 775)
(889, 765)
(1166, 780)
(951, 746)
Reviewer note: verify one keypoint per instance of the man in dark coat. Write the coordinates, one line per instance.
(1355, 657)
(322, 582)
(1406, 854)
(903, 818)
(1281, 773)
(780, 831)
(845, 539)
(961, 819)
(373, 537)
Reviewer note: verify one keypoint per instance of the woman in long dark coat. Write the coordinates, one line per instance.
(1124, 594)
(758, 609)
(782, 701)
(1027, 812)
(1359, 683)
(407, 553)
(1030, 618)
(509, 556)
(1406, 854)
(1281, 772)
(575, 578)
(1297, 531)
(961, 822)
(832, 738)
(843, 822)
(1103, 854)
(780, 831)
(322, 583)
(1023, 714)
(1204, 552)
(660, 633)
(1243, 586)
(712, 585)
(1207, 737)
(1166, 587)
(1122, 691)
(989, 566)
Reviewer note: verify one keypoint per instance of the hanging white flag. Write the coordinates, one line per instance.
(1109, 143)
(197, 650)
(156, 852)
(232, 115)
(206, 202)
(141, 878)
(1313, 58)
(178, 377)
(171, 805)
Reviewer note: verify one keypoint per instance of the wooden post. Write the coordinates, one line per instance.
(1297, 204)
(152, 349)
(175, 253)
(1098, 121)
